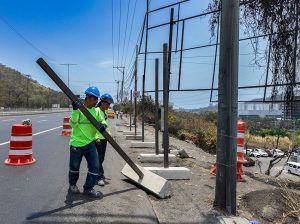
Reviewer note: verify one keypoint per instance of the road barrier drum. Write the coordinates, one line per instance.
(241, 129)
(67, 129)
(20, 150)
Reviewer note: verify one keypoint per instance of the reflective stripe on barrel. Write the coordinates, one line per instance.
(241, 129)
(20, 152)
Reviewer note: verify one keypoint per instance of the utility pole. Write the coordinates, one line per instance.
(130, 113)
(122, 70)
(166, 105)
(144, 75)
(117, 81)
(27, 91)
(170, 44)
(168, 57)
(135, 87)
(225, 193)
(68, 65)
(156, 108)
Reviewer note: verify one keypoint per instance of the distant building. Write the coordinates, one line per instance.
(292, 110)
(259, 109)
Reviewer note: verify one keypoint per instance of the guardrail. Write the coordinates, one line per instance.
(24, 111)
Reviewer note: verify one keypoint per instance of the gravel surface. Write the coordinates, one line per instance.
(191, 200)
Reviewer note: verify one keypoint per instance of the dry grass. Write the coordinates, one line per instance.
(291, 203)
(268, 142)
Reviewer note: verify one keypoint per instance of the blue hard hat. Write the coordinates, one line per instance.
(107, 97)
(92, 90)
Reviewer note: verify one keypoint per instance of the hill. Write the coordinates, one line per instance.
(17, 88)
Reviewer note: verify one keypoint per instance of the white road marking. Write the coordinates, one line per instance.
(41, 121)
(42, 132)
(4, 143)
(8, 120)
(46, 131)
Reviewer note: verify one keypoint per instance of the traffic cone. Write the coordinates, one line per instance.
(20, 150)
(67, 129)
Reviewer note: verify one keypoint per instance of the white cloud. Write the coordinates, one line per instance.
(104, 64)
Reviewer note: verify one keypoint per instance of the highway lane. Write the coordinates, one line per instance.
(40, 122)
(38, 193)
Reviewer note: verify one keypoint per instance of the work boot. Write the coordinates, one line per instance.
(93, 193)
(101, 182)
(74, 189)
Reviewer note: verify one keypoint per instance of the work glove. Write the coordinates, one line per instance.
(98, 141)
(75, 105)
(103, 127)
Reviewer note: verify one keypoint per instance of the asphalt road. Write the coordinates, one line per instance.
(265, 164)
(38, 193)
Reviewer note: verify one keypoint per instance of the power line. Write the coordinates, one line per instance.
(133, 15)
(93, 82)
(119, 31)
(112, 34)
(25, 39)
(133, 53)
(125, 31)
(130, 74)
(199, 63)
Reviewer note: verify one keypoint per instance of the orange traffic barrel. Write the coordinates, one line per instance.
(20, 150)
(241, 129)
(67, 129)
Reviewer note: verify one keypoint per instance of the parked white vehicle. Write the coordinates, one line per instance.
(293, 167)
(277, 152)
(259, 152)
(254, 153)
(247, 152)
(263, 153)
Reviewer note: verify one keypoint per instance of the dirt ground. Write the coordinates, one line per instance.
(191, 200)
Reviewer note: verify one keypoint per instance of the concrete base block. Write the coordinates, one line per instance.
(135, 144)
(171, 173)
(131, 133)
(173, 151)
(151, 181)
(232, 220)
(153, 158)
(127, 125)
(119, 123)
(133, 137)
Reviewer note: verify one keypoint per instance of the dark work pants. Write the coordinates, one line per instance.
(101, 149)
(90, 153)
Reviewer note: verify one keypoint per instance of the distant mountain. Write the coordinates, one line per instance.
(210, 108)
(16, 87)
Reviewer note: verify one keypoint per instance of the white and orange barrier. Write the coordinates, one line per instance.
(241, 129)
(67, 129)
(20, 150)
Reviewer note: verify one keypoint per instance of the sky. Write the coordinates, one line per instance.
(86, 33)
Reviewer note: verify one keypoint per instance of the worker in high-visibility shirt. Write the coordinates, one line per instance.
(101, 143)
(82, 143)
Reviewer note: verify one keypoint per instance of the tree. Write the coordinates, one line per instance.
(280, 133)
(276, 160)
(278, 17)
